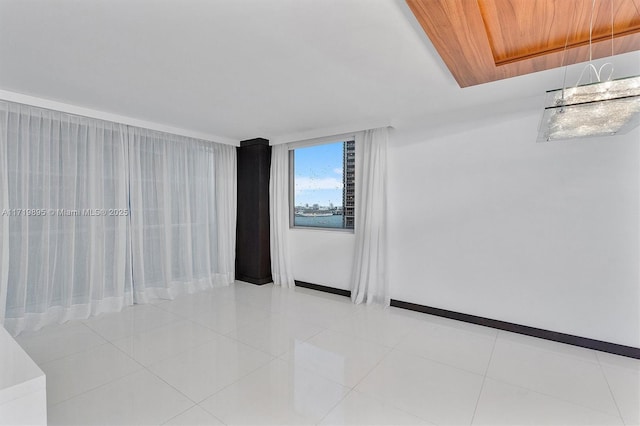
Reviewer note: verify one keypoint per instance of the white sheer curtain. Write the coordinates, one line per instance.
(4, 204)
(279, 217)
(174, 220)
(63, 264)
(370, 277)
(225, 158)
(97, 215)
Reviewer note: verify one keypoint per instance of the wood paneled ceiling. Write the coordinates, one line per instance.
(487, 40)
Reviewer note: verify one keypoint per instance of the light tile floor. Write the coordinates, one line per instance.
(249, 354)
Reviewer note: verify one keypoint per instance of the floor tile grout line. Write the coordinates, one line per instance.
(333, 407)
(191, 348)
(176, 355)
(371, 370)
(423, 357)
(255, 347)
(170, 385)
(179, 414)
(126, 354)
(393, 406)
(571, 352)
(143, 367)
(140, 331)
(313, 372)
(208, 327)
(40, 365)
(566, 401)
(321, 329)
(72, 353)
(92, 330)
(613, 397)
(368, 373)
(261, 349)
(295, 315)
(243, 376)
(579, 404)
(191, 408)
(252, 306)
(384, 357)
(209, 396)
(493, 349)
(240, 377)
(175, 389)
(165, 358)
(389, 351)
(190, 399)
(89, 349)
(357, 337)
(107, 382)
(484, 379)
(105, 343)
(235, 339)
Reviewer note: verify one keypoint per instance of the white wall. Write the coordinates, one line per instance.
(490, 223)
(483, 220)
(322, 257)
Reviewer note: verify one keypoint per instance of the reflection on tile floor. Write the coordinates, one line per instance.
(248, 354)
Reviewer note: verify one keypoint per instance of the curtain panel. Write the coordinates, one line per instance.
(97, 215)
(63, 262)
(4, 204)
(177, 223)
(226, 194)
(370, 276)
(279, 217)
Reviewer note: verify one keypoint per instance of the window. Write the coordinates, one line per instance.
(323, 185)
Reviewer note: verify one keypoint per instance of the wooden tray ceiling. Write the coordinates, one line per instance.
(487, 40)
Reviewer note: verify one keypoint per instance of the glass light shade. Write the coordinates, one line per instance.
(598, 109)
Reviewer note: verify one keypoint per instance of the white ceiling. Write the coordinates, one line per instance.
(279, 69)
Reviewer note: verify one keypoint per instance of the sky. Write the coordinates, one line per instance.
(318, 175)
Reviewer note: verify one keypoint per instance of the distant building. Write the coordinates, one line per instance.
(349, 175)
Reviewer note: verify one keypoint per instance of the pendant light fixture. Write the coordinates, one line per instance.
(600, 108)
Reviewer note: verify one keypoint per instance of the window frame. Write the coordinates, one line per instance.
(307, 144)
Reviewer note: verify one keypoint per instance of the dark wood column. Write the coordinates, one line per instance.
(253, 256)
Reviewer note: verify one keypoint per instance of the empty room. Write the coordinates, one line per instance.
(319, 212)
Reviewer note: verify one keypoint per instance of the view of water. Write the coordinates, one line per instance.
(334, 221)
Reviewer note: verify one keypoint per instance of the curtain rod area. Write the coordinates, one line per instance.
(37, 102)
